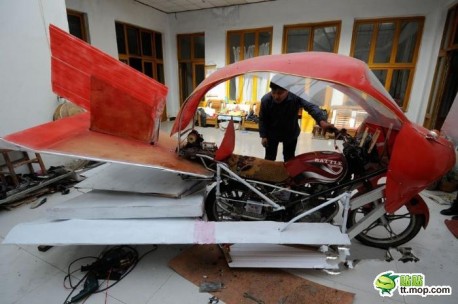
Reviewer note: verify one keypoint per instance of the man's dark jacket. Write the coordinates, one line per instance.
(279, 121)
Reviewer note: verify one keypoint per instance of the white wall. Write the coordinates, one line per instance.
(25, 74)
(215, 23)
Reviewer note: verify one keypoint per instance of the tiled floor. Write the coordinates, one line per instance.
(30, 276)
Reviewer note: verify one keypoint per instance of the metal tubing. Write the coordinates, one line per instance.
(238, 178)
(343, 195)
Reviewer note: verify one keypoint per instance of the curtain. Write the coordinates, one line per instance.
(264, 49)
(236, 51)
(248, 79)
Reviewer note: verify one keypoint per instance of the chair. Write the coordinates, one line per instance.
(212, 110)
(253, 117)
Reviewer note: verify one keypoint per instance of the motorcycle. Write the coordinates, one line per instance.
(254, 189)
(370, 187)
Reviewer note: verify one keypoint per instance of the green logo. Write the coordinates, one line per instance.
(407, 284)
(385, 283)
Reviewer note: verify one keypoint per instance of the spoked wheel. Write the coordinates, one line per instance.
(391, 230)
(232, 206)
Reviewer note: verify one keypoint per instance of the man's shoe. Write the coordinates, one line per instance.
(453, 210)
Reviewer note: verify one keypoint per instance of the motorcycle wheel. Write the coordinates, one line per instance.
(390, 230)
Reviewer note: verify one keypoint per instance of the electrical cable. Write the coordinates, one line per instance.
(112, 264)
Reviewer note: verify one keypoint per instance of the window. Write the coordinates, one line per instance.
(322, 37)
(244, 44)
(141, 49)
(390, 48)
(77, 25)
(191, 62)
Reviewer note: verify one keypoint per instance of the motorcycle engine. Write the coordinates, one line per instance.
(195, 145)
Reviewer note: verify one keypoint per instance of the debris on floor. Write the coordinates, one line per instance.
(452, 225)
(206, 263)
(32, 187)
(402, 254)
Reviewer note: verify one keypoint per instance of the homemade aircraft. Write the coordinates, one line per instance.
(395, 158)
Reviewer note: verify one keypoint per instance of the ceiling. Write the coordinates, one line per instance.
(177, 6)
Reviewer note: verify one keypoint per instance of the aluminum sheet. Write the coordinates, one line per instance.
(171, 231)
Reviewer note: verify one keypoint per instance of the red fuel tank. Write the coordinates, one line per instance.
(317, 167)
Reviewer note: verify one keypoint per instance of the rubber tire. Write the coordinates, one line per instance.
(417, 219)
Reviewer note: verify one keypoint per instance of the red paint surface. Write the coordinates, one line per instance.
(415, 163)
(126, 102)
(227, 144)
(71, 136)
(330, 67)
(74, 62)
(116, 112)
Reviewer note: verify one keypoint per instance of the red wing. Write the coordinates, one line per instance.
(123, 106)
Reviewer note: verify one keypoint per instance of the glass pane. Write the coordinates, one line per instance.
(120, 38)
(148, 68)
(363, 41)
(146, 44)
(158, 42)
(324, 38)
(398, 85)
(185, 47)
(384, 43)
(264, 43)
(407, 41)
(199, 46)
(234, 47)
(199, 73)
(75, 26)
(160, 73)
(132, 40)
(249, 48)
(186, 79)
(136, 63)
(381, 75)
(297, 40)
(235, 40)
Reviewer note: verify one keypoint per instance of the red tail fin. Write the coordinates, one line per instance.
(227, 145)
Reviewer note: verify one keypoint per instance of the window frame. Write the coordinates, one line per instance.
(82, 23)
(392, 65)
(125, 57)
(312, 27)
(193, 60)
(242, 33)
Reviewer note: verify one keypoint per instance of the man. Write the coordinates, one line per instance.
(453, 210)
(278, 121)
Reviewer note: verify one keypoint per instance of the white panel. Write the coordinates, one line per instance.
(171, 231)
(279, 256)
(129, 178)
(120, 205)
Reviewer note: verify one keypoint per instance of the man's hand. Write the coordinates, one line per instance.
(327, 127)
(264, 142)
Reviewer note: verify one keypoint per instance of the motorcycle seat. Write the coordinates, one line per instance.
(257, 168)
